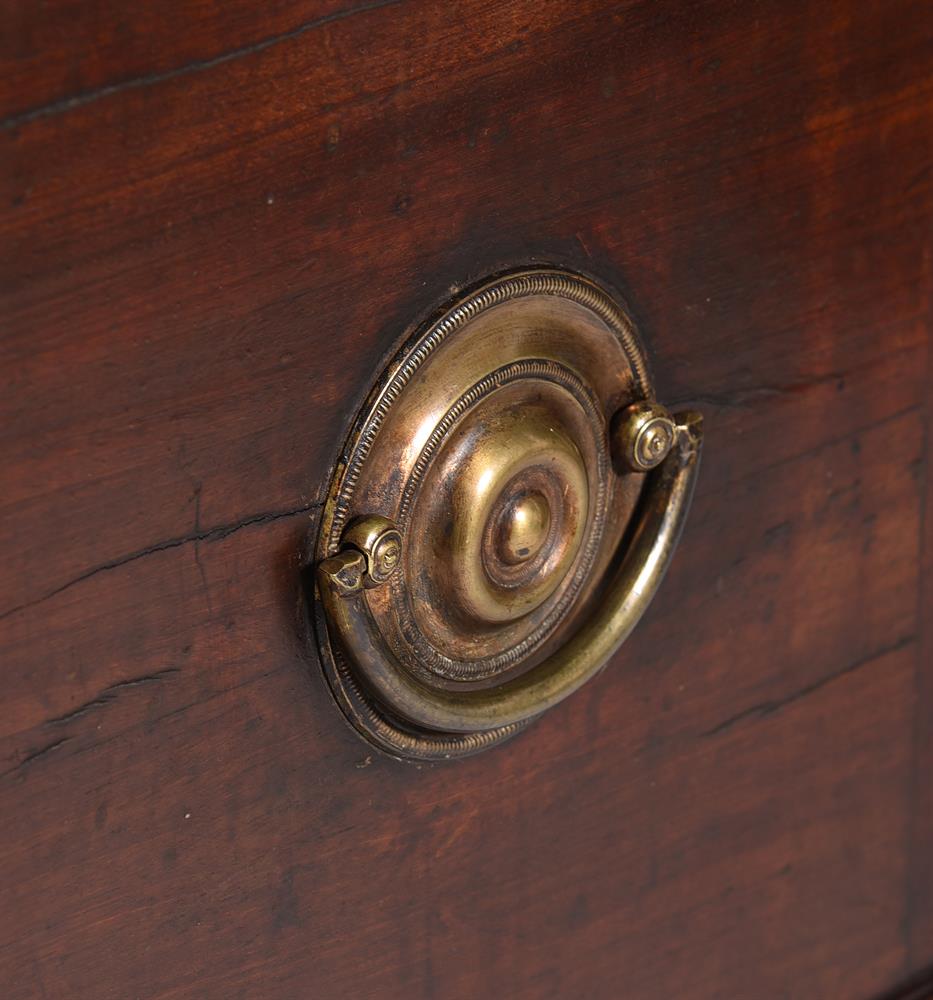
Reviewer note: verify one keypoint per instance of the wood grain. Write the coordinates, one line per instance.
(919, 920)
(214, 227)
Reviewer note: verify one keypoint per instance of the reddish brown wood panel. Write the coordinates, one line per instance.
(918, 987)
(60, 54)
(215, 223)
(919, 920)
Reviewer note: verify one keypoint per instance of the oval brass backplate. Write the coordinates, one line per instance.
(473, 530)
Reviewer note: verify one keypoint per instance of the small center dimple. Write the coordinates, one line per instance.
(523, 528)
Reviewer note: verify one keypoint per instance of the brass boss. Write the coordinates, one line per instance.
(520, 529)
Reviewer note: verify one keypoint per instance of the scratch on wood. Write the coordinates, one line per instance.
(586, 249)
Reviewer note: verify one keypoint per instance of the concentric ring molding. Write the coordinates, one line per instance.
(539, 335)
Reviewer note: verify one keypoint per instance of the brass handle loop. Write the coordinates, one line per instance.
(343, 578)
(502, 514)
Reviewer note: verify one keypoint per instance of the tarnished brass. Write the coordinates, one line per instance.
(506, 508)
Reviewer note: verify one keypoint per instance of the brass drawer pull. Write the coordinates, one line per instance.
(506, 508)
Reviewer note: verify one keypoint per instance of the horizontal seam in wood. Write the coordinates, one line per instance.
(775, 705)
(197, 66)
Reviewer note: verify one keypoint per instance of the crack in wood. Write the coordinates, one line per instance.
(35, 755)
(771, 706)
(109, 695)
(211, 535)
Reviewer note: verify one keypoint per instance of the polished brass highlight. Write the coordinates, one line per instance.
(643, 435)
(507, 507)
(380, 543)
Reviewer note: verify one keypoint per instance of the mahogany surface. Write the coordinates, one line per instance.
(216, 222)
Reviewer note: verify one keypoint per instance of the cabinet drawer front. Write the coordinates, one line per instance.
(219, 223)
